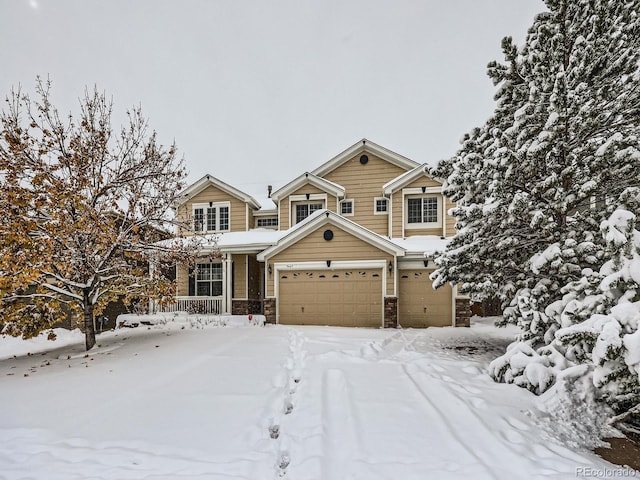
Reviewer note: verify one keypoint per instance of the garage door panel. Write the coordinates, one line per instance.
(336, 297)
(419, 305)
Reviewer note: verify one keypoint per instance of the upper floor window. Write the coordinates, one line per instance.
(346, 208)
(381, 205)
(211, 217)
(423, 211)
(303, 210)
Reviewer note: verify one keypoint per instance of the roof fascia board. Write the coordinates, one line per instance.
(333, 218)
(321, 183)
(207, 180)
(406, 178)
(368, 146)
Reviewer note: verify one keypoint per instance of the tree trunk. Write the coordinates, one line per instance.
(89, 327)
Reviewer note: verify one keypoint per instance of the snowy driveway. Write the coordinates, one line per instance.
(276, 402)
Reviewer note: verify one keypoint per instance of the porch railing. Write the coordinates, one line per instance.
(211, 305)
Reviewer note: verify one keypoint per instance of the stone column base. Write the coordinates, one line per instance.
(463, 312)
(390, 312)
(270, 310)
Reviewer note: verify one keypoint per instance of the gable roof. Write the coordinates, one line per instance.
(319, 182)
(408, 177)
(364, 145)
(208, 180)
(323, 217)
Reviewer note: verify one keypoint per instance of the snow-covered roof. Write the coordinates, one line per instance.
(423, 245)
(207, 180)
(362, 146)
(316, 181)
(251, 241)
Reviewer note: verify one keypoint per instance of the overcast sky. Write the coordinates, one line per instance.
(257, 92)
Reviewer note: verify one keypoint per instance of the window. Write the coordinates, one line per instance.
(211, 217)
(422, 210)
(267, 222)
(381, 206)
(209, 279)
(346, 208)
(303, 210)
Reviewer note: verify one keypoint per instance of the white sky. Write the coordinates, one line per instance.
(257, 92)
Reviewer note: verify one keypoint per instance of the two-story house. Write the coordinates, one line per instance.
(350, 243)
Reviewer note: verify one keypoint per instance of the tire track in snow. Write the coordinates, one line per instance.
(340, 437)
(450, 427)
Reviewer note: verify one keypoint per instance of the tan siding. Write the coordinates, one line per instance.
(423, 182)
(363, 183)
(238, 212)
(344, 246)
(239, 276)
(397, 214)
(451, 221)
(285, 217)
(182, 280)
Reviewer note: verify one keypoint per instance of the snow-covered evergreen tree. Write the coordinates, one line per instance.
(532, 183)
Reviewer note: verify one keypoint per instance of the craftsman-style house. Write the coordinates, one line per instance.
(350, 243)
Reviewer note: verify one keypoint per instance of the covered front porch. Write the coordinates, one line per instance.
(225, 283)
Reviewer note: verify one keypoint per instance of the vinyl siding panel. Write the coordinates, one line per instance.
(182, 280)
(239, 276)
(284, 219)
(363, 183)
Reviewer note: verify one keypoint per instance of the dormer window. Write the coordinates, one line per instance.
(303, 210)
(211, 217)
(423, 211)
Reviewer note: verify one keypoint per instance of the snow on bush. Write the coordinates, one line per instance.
(184, 319)
(596, 324)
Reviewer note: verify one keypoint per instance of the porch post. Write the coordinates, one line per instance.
(227, 278)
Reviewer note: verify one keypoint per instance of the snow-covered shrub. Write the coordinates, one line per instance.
(595, 324)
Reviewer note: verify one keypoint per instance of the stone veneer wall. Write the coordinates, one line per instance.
(390, 312)
(270, 310)
(463, 312)
(246, 307)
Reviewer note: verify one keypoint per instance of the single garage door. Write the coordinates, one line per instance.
(419, 305)
(347, 298)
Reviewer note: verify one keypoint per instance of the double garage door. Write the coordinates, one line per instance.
(349, 298)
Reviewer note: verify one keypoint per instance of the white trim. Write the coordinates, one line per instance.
(301, 200)
(335, 265)
(205, 206)
(353, 207)
(375, 206)
(408, 177)
(365, 145)
(327, 216)
(423, 225)
(309, 178)
(197, 187)
(421, 191)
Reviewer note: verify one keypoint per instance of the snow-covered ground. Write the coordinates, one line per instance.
(304, 403)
